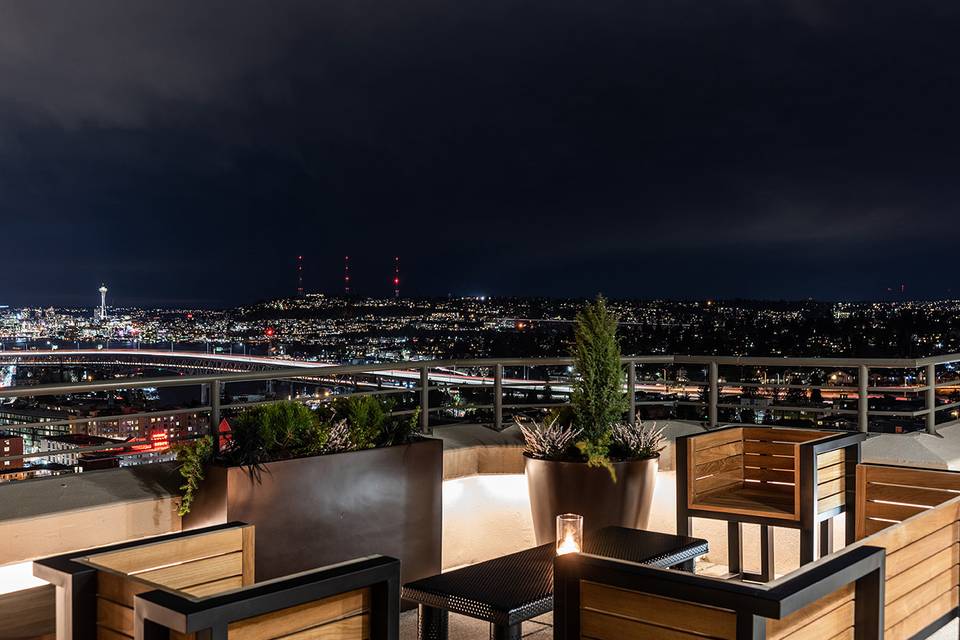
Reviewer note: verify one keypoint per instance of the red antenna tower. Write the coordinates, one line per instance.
(299, 276)
(396, 277)
(346, 275)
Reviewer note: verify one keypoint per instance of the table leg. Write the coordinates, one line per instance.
(734, 548)
(686, 565)
(767, 562)
(506, 631)
(432, 623)
(826, 537)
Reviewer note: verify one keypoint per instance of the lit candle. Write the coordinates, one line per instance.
(569, 533)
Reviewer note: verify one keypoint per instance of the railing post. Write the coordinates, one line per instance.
(863, 401)
(714, 400)
(632, 391)
(498, 396)
(931, 398)
(215, 413)
(425, 400)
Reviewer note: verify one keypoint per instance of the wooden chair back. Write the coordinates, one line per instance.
(356, 600)
(199, 565)
(603, 599)
(915, 515)
(888, 494)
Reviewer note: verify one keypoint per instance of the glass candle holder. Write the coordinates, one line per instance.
(569, 533)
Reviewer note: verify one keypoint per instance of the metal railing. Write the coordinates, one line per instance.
(698, 383)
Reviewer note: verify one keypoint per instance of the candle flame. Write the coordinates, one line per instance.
(569, 545)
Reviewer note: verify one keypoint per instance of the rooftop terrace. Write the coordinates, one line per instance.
(485, 501)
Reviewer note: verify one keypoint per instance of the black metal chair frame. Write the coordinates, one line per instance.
(810, 520)
(159, 612)
(78, 580)
(753, 604)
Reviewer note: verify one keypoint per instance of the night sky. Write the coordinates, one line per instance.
(184, 152)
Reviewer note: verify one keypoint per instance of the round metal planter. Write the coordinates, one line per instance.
(573, 487)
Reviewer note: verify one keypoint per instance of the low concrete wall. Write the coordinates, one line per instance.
(49, 516)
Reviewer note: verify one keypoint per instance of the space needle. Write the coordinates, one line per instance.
(103, 302)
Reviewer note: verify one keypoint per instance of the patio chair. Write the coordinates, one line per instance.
(772, 477)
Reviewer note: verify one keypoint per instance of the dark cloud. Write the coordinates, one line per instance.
(187, 150)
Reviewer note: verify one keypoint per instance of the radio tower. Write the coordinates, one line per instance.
(346, 275)
(396, 277)
(299, 276)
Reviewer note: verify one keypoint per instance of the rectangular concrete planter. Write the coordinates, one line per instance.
(309, 512)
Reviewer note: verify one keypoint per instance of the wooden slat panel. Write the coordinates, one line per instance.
(925, 547)
(831, 487)
(355, 628)
(196, 572)
(159, 554)
(717, 453)
(910, 625)
(657, 610)
(716, 481)
(769, 475)
(917, 527)
(769, 448)
(731, 463)
(915, 601)
(871, 527)
(708, 440)
(830, 502)
(928, 478)
(907, 495)
(769, 462)
(782, 435)
(906, 581)
(830, 458)
(599, 626)
(887, 511)
(296, 619)
(832, 472)
(115, 616)
(215, 587)
(833, 623)
(797, 620)
(118, 588)
(249, 554)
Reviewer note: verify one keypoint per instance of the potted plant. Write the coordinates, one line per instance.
(587, 460)
(321, 486)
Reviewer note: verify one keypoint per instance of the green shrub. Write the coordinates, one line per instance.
(274, 432)
(598, 399)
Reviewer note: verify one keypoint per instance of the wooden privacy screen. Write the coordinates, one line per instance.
(199, 565)
(756, 471)
(887, 495)
(341, 617)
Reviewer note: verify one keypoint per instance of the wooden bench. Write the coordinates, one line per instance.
(109, 593)
(773, 477)
(836, 597)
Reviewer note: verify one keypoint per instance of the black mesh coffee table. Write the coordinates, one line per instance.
(506, 591)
